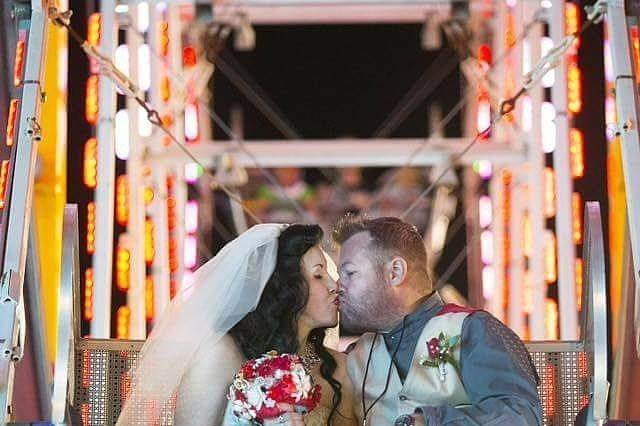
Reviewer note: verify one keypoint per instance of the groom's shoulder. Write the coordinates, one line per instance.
(480, 322)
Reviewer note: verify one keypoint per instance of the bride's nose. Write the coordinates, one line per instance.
(334, 287)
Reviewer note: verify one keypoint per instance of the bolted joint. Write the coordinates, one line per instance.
(627, 125)
(34, 131)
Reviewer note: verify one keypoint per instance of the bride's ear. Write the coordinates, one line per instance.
(396, 271)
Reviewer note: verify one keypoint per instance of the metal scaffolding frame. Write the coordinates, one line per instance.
(105, 182)
(12, 313)
(628, 116)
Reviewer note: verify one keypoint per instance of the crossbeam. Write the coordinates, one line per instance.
(343, 153)
(296, 12)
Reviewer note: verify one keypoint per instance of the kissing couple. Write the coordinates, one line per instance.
(419, 361)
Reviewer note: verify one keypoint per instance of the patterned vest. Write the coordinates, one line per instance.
(423, 385)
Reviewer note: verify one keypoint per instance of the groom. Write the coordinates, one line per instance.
(478, 373)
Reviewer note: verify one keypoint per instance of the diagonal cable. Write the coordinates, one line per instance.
(430, 79)
(533, 77)
(176, 77)
(256, 95)
(109, 70)
(456, 109)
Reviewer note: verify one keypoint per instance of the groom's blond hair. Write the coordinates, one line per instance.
(391, 236)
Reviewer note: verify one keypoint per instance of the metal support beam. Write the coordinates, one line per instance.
(628, 113)
(567, 305)
(104, 193)
(296, 12)
(343, 153)
(536, 187)
(12, 313)
(136, 223)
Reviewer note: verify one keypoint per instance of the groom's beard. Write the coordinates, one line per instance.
(377, 313)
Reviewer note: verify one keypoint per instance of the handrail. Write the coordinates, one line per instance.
(594, 310)
(67, 316)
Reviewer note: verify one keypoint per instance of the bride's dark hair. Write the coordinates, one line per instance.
(274, 323)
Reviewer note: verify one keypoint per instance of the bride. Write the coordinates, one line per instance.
(269, 289)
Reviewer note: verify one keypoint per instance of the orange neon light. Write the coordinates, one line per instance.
(576, 204)
(576, 149)
(167, 120)
(4, 180)
(173, 255)
(91, 227)
(93, 29)
(579, 273)
(163, 30)
(90, 169)
(88, 294)
(122, 200)
(148, 298)
(165, 89)
(171, 213)
(550, 257)
(149, 249)
(12, 121)
(123, 265)
(18, 65)
(549, 192)
(122, 320)
(571, 18)
(91, 100)
(510, 34)
(574, 87)
(148, 196)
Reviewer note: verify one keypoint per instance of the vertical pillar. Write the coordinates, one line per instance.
(136, 223)
(104, 192)
(567, 307)
(536, 187)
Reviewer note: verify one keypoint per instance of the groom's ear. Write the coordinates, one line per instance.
(397, 271)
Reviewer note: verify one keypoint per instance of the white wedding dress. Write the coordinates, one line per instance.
(189, 354)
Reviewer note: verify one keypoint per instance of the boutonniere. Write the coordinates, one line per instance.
(440, 353)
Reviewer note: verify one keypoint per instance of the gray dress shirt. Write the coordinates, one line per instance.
(496, 370)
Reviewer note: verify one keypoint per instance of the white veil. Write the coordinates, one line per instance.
(221, 293)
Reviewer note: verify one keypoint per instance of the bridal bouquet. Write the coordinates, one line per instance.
(264, 382)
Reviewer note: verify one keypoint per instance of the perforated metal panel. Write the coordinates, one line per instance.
(102, 384)
(102, 381)
(564, 371)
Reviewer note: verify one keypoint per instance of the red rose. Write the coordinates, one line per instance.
(433, 346)
(278, 393)
(266, 369)
(282, 363)
(268, 412)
